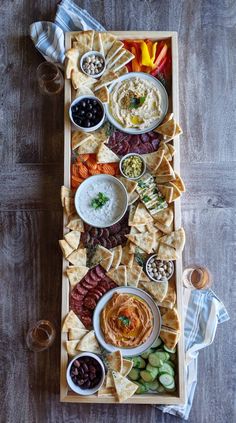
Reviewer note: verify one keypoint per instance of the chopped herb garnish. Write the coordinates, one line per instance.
(146, 198)
(125, 320)
(141, 184)
(136, 102)
(99, 201)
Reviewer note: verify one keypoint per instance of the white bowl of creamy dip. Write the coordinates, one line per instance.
(101, 200)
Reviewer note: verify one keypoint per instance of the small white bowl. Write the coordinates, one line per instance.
(91, 53)
(157, 280)
(91, 128)
(75, 387)
(125, 157)
(83, 200)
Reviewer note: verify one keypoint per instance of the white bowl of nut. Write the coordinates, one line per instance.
(132, 166)
(157, 270)
(93, 64)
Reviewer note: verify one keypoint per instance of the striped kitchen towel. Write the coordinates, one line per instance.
(48, 37)
(202, 309)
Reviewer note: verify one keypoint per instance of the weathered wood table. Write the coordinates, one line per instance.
(31, 153)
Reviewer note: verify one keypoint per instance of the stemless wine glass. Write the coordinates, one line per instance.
(50, 78)
(40, 335)
(197, 277)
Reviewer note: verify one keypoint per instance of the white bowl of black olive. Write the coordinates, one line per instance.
(93, 64)
(87, 113)
(85, 373)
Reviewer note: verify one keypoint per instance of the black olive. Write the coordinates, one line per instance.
(94, 102)
(78, 121)
(83, 104)
(90, 106)
(88, 100)
(89, 115)
(87, 123)
(82, 112)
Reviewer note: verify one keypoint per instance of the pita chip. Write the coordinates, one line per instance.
(164, 168)
(122, 71)
(175, 239)
(164, 228)
(153, 160)
(167, 192)
(109, 380)
(83, 90)
(105, 155)
(79, 78)
(171, 319)
(90, 147)
(85, 38)
(75, 274)
(116, 57)
(72, 322)
(166, 252)
(170, 298)
(132, 198)
(103, 94)
(131, 214)
(165, 217)
(79, 138)
(141, 215)
(107, 41)
(119, 275)
(127, 366)
(76, 334)
(97, 42)
(122, 61)
(171, 149)
(101, 253)
(143, 277)
(107, 78)
(144, 241)
(69, 206)
(129, 184)
(133, 275)
(107, 262)
(78, 257)
(116, 47)
(179, 183)
(89, 343)
(127, 258)
(75, 223)
(106, 392)
(158, 290)
(114, 361)
(65, 193)
(170, 338)
(73, 239)
(71, 348)
(167, 128)
(65, 248)
(176, 192)
(117, 254)
(124, 387)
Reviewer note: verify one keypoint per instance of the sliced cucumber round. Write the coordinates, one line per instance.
(166, 380)
(166, 368)
(157, 343)
(169, 350)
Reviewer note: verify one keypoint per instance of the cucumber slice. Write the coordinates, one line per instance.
(156, 343)
(155, 360)
(163, 356)
(171, 387)
(166, 380)
(160, 389)
(152, 370)
(169, 350)
(153, 386)
(139, 362)
(171, 364)
(141, 388)
(134, 374)
(147, 376)
(166, 368)
(146, 353)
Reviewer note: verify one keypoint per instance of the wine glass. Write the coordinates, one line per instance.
(40, 335)
(50, 78)
(197, 277)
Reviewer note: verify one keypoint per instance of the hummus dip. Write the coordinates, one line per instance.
(135, 103)
(126, 321)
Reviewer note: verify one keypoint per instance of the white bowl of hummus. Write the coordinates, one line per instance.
(138, 103)
(101, 200)
(128, 319)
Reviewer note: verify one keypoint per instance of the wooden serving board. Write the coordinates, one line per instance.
(177, 397)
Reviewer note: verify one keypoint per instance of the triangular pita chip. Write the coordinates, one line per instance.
(75, 223)
(158, 290)
(86, 38)
(132, 198)
(164, 147)
(127, 258)
(75, 274)
(170, 298)
(117, 46)
(164, 168)
(78, 257)
(73, 239)
(79, 78)
(176, 239)
(141, 215)
(124, 387)
(79, 138)
(107, 41)
(101, 134)
(127, 366)
(165, 217)
(90, 147)
(176, 192)
(83, 90)
(117, 254)
(122, 71)
(72, 322)
(106, 392)
(69, 206)
(103, 94)
(101, 253)
(119, 275)
(179, 183)
(171, 149)
(166, 191)
(116, 57)
(133, 275)
(77, 334)
(131, 214)
(169, 338)
(171, 319)
(109, 379)
(89, 343)
(129, 185)
(105, 155)
(72, 59)
(153, 160)
(71, 347)
(125, 58)
(114, 361)
(65, 193)
(107, 78)
(164, 228)
(97, 42)
(107, 262)
(166, 252)
(143, 277)
(167, 128)
(144, 241)
(65, 248)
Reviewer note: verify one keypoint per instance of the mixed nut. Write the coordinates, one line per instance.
(132, 166)
(93, 65)
(86, 372)
(159, 269)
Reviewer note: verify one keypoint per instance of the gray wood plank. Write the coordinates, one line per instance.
(31, 154)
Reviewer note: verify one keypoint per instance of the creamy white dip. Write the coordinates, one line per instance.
(107, 213)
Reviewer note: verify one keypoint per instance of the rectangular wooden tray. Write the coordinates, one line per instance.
(178, 397)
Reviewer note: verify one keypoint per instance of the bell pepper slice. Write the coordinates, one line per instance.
(135, 63)
(160, 54)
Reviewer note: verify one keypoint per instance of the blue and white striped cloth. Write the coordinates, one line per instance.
(202, 309)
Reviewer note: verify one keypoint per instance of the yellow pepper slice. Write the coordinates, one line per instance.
(147, 59)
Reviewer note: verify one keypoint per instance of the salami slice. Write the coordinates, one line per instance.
(87, 227)
(87, 321)
(155, 143)
(103, 242)
(96, 241)
(81, 290)
(152, 135)
(76, 296)
(94, 295)
(109, 244)
(94, 232)
(98, 292)
(125, 148)
(150, 148)
(90, 302)
(100, 232)
(100, 271)
(89, 283)
(115, 228)
(94, 275)
(105, 233)
(102, 288)
(144, 137)
(118, 136)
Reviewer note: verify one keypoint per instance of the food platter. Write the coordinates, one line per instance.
(75, 256)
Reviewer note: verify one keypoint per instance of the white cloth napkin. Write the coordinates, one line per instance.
(203, 310)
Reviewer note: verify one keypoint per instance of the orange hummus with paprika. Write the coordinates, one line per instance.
(126, 321)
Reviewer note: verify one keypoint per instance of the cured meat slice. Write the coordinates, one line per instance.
(103, 242)
(102, 288)
(152, 135)
(87, 227)
(113, 241)
(76, 296)
(125, 148)
(94, 232)
(80, 289)
(105, 233)
(149, 147)
(113, 285)
(144, 137)
(100, 271)
(118, 136)
(96, 241)
(87, 321)
(97, 291)
(142, 149)
(155, 143)
(89, 285)
(109, 244)
(85, 237)
(94, 275)
(115, 228)
(90, 302)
